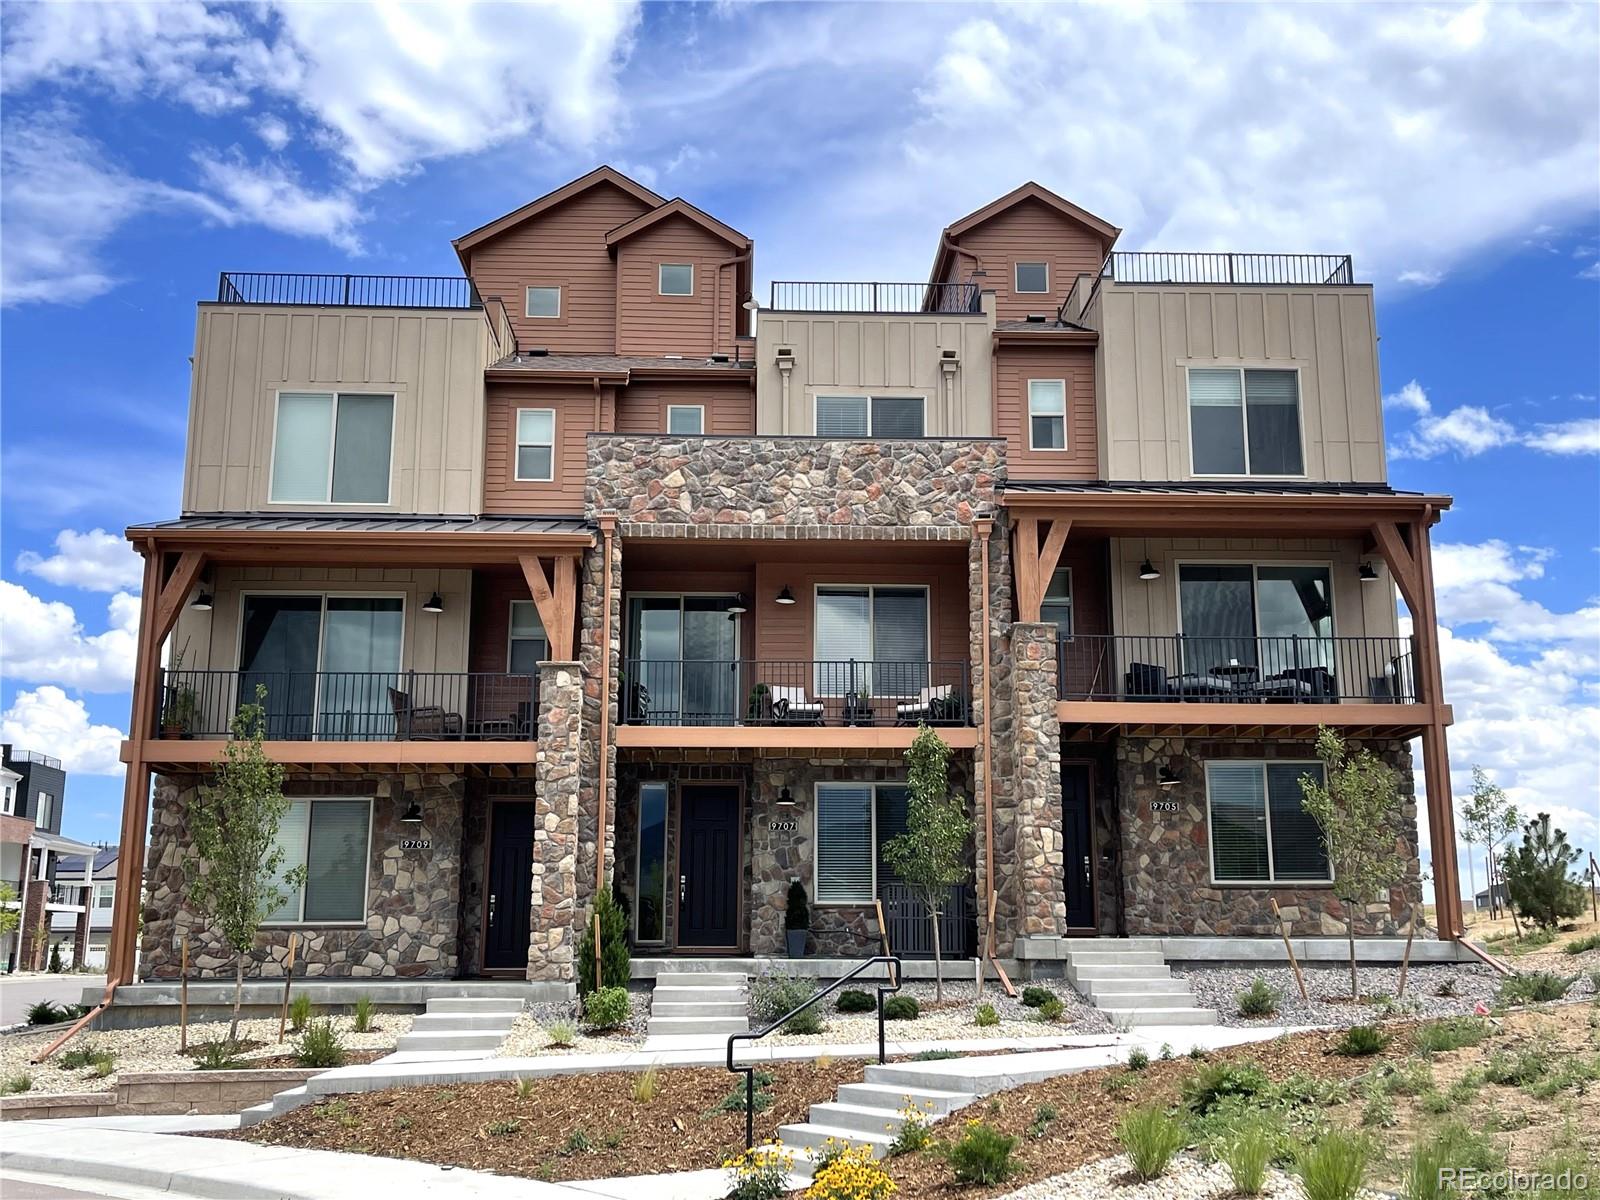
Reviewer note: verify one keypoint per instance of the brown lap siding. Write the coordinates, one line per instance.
(1014, 367)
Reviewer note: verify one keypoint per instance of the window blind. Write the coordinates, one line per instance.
(1216, 421)
(844, 844)
(899, 641)
(1238, 821)
(892, 804)
(897, 417)
(844, 633)
(841, 416)
(1298, 851)
(536, 435)
(1273, 402)
(303, 445)
(290, 841)
(336, 861)
(362, 448)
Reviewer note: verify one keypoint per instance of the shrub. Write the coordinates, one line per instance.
(614, 956)
(55, 958)
(1378, 1111)
(915, 1132)
(1535, 987)
(101, 1061)
(524, 1087)
(1580, 945)
(760, 1173)
(45, 1013)
(985, 1016)
(561, 1033)
(1361, 1040)
(299, 1012)
(319, 1046)
(502, 1128)
(608, 1008)
(1138, 1059)
(982, 1154)
(217, 1055)
(1537, 876)
(1452, 1033)
(647, 1084)
(1334, 1167)
(1212, 1084)
(797, 915)
(852, 1175)
(1042, 1118)
(1516, 1070)
(366, 1011)
(760, 1099)
(15, 1084)
(1151, 1138)
(1260, 999)
(1166, 1052)
(934, 1055)
(773, 995)
(804, 1023)
(901, 1008)
(578, 1142)
(1033, 995)
(1051, 1009)
(854, 1000)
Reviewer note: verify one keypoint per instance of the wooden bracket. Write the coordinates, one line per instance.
(175, 591)
(1402, 564)
(1035, 564)
(555, 606)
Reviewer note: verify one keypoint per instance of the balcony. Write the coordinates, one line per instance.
(849, 297)
(347, 291)
(1231, 270)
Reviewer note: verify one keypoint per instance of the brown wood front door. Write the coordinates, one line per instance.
(507, 921)
(710, 867)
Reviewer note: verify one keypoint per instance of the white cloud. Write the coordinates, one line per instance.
(46, 643)
(271, 195)
(1422, 279)
(96, 561)
(1475, 587)
(50, 721)
(274, 131)
(1470, 430)
(1581, 436)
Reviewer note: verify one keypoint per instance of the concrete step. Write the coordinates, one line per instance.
(1113, 987)
(701, 979)
(290, 1098)
(935, 1102)
(704, 1008)
(474, 1004)
(1146, 1000)
(698, 995)
(857, 1118)
(1161, 1016)
(1098, 971)
(464, 1040)
(1115, 958)
(256, 1114)
(811, 1135)
(453, 1022)
(672, 1026)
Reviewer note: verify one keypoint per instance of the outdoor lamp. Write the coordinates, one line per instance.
(738, 605)
(1147, 570)
(1167, 777)
(201, 601)
(786, 596)
(434, 604)
(785, 798)
(412, 814)
(1368, 573)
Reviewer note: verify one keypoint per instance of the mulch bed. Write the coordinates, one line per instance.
(1085, 1129)
(352, 1058)
(569, 1126)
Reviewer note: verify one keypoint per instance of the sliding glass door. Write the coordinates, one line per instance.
(1264, 619)
(871, 640)
(685, 656)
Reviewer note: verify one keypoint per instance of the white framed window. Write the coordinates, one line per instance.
(536, 445)
(871, 416)
(871, 638)
(1032, 277)
(331, 839)
(1245, 421)
(1056, 607)
(105, 895)
(1259, 828)
(527, 645)
(332, 448)
(686, 418)
(650, 870)
(544, 302)
(1047, 414)
(45, 810)
(675, 279)
(8, 799)
(846, 865)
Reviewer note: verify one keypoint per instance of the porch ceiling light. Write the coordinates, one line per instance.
(785, 596)
(738, 605)
(786, 799)
(201, 601)
(1147, 570)
(412, 814)
(434, 604)
(1369, 573)
(1167, 777)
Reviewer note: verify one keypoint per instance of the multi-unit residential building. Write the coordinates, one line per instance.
(33, 862)
(593, 567)
(89, 883)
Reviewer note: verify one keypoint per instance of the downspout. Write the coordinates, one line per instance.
(984, 526)
(957, 251)
(716, 305)
(608, 525)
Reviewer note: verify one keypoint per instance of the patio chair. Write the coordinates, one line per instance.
(1197, 684)
(791, 705)
(1297, 683)
(1145, 681)
(935, 705)
(422, 723)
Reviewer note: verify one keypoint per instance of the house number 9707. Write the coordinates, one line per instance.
(783, 826)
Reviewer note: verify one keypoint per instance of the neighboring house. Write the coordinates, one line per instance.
(562, 571)
(1502, 897)
(97, 899)
(33, 790)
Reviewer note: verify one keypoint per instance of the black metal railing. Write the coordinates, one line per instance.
(1227, 268)
(911, 932)
(794, 692)
(849, 297)
(354, 706)
(66, 893)
(891, 961)
(355, 291)
(1238, 670)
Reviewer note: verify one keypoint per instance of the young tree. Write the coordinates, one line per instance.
(1537, 875)
(1488, 818)
(235, 877)
(1355, 809)
(10, 918)
(931, 855)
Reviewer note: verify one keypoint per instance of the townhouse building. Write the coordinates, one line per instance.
(36, 863)
(593, 568)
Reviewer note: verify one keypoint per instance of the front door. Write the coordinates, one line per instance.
(1077, 817)
(505, 939)
(710, 867)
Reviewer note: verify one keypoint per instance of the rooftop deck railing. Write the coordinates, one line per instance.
(1228, 268)
(352, 291)
(847, 297)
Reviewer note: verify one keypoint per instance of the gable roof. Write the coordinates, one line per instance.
(678, 207)
(601, 174)
(1028, 191)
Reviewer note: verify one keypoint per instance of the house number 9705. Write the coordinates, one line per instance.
(1163, 806)
(788, 826)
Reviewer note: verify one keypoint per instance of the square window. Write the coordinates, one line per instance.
(676, 279)
(1047, 414)
(1033, 277)
(686, 418)
(1259, 829)
(330, 839)
(897, 417)
(1244, 422)
(1056, 607)
(544, 302)
(841, 416)
(528, 645)
(332, 449)
(536, 440)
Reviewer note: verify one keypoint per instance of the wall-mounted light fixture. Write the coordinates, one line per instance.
(1166, 777)
(202, 600)
(785, 596)
(433, 604)
(1147, 570)
(412, 814)
(786, 799)
(738, 605)
(1368, 573)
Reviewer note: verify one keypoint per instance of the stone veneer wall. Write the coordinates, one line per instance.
(1167, 885)
(412, 895)
(1003, 795)
(1036, 781)
(554, 915)
(591, 655)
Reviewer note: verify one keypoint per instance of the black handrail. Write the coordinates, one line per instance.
(749, 1072)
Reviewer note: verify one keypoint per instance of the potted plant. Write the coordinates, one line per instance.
(758, 711)
(858, 706)
(180, 705)
(797, 920)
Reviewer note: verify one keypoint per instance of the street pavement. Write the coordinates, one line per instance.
(19, 992)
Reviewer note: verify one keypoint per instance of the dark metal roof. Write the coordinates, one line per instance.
(1187, 488)
(357, 523)
(534, 363)
(72, 864)
(1049, 325)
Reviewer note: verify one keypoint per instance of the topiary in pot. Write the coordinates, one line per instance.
(797, 920)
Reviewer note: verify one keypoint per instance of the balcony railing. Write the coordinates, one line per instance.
(795, 693)
(802, 296)
(1229, 269)
(354, 706)
(350, 291)
(63, 893)
(1216, 670)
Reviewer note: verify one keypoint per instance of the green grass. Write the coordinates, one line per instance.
(1359, 1041)
(1580, 945)
(1334, 1167)
(1517, 1069)
(1450, 1145)
(1535, 987)
(1452, 1033)
(1247, 1152)
(1151, 1138)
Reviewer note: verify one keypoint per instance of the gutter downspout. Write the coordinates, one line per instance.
(957, 251)
(716, 306)
(608, 527)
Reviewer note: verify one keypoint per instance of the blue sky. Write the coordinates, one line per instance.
(1454, 151)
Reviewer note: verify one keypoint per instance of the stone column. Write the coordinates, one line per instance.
(552, 941)
(592, 607)
(999, 770)
(1036, 780)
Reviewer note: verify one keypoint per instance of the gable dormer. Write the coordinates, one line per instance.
(682, 279)
(1027, 247)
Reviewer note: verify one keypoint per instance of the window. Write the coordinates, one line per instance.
(1047, 414)
(675, 279)
(853, 822)
(873, 638)
(1033, 277)
(330, 839)
(1244, 422)
(1056, 608)
(1260, 830)
(1274, 617)
(650, 904)
(44, 810)
(536, 444)
(686, 418)
(105, 895)
(544, 302)
(332, 449)
(528, 645)
(870, 416)
(8, 799)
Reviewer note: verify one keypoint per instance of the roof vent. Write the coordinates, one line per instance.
(947, 354)
(719, 358)
(785, 351)
(537, 351)
(672, 356)
(1036, 318)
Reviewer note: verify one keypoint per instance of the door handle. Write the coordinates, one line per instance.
(683, 889)
(491, 908)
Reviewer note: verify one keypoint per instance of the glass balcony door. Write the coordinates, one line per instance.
(686, 651)
(1251, 622)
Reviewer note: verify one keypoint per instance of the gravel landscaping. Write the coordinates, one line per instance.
(156, 1049)
(529, 1037)
(1219, 987)
(1186, 1179)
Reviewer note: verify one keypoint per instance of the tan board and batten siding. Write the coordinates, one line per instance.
(695, 325)
(1074, 366)
(1150, 334)
(875, 354)
(430, 361)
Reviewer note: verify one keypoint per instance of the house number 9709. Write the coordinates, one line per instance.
(783, 826)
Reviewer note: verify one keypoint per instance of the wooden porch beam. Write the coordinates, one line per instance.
(545, 601)
(1025, 561)
(566, 598)
(1402, 564)
(175, 591)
